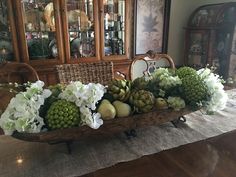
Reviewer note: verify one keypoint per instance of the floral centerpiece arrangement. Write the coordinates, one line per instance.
(39, 109)
(66, 106)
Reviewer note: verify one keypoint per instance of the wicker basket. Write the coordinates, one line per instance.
(99, 72)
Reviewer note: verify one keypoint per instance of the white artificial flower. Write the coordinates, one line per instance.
(204, 72)
(38, 85)
(72, 91)
(93, 120)
(8, 125)
(217, 95)
(166, 79)
(46, 93)
(22, 113)
(94, 93)
(85, 97)
(22, 124)
(97, 121)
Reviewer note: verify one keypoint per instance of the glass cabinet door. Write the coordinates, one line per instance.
(8, 48)
(41, 32)
(80, 19)
(197, 49)
(114, 27)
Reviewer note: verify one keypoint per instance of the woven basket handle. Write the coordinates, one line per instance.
(17, 72)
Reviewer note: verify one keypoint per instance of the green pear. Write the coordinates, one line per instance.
(161, 103)
(105, 101)
(107, 110)
(122, 109)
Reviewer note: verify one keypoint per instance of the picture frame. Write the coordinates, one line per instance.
(151, 24)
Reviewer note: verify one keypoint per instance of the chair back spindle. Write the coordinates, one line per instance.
(148, 63)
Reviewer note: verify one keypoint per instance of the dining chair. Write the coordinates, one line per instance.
(89, 72)
(148, 63)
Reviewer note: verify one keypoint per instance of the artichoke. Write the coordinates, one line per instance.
(119, 89)
(153, 86)
(140, 83)
(63, 114)
(142, 100)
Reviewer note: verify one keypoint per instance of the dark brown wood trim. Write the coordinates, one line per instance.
(166, 26)
(10, 15)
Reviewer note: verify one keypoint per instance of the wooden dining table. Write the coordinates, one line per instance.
(213, 157)
(158, 146)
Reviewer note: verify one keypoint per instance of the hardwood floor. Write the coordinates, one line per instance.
(214, 157)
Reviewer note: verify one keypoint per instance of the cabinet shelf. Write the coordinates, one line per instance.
(40, 31)
(114, 30)
(78, 31)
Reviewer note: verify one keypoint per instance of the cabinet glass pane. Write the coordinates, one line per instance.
(40, 28)
(6, 48)
(205, 16)
(114, 27)
(81, 28)
(222, 46)
(197, 51)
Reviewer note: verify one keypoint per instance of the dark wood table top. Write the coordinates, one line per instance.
(213, 157)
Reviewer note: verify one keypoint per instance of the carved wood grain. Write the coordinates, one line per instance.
(109, 127)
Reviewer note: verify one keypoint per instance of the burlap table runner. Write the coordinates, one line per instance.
(40, 160)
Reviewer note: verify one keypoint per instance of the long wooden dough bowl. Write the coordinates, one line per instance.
(109, 127)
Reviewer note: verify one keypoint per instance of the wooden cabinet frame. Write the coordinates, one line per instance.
(12, 27)
(23, 43)
(66, 36)
(127, 33)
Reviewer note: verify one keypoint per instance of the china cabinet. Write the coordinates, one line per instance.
(51, 32)
(211, 38)
(8, 39)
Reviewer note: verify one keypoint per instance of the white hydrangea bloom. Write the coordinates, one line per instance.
(72, 92)
(7, 124)
(166, 79)
(85, 97)
(94, 93)
(93, 120)
(22, 113)
(218, 96)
